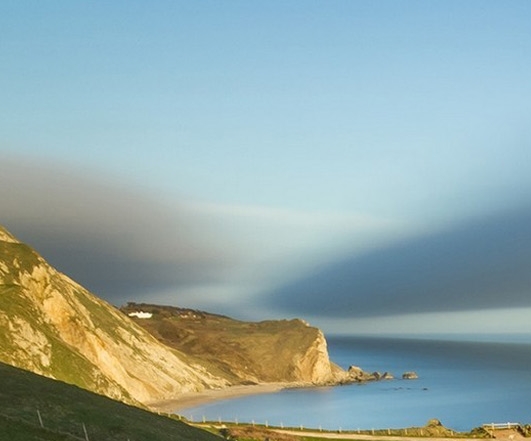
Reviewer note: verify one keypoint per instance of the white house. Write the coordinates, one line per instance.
(141, 314)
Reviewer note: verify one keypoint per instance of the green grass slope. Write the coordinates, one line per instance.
(64, 410)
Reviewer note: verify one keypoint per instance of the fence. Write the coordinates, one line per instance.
(501, 426)
(81, 435)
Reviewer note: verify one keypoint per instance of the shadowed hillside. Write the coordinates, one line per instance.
(64, 409)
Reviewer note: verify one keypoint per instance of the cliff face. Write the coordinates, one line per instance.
(314, 366)
(52, 326)
(243, 352)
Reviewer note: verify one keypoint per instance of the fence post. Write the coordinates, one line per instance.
(85, 431)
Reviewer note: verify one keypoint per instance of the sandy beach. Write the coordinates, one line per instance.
(197, 398)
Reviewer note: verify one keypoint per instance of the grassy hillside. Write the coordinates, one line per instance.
(244, 352)
(64, 410)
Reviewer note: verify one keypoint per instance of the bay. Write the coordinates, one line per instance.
(463, 384)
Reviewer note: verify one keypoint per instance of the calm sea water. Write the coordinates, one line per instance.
(463, 384)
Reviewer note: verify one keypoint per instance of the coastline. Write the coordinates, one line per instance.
(192, 399)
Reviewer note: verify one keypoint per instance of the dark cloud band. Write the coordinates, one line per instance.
(483, 264)
(118, 242)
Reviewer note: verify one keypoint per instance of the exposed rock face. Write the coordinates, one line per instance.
(355, 374)
(5, 236)
(314, 365)
(52, 326)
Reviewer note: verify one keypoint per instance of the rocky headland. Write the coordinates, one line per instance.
(245, 353)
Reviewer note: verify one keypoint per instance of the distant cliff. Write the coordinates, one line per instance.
(52, 326)
(243, 352)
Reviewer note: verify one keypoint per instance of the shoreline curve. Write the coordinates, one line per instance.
(193, 399)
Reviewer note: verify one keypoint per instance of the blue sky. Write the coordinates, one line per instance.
(221, 154)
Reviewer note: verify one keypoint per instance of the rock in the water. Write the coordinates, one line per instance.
(409, 375)
(376, 375)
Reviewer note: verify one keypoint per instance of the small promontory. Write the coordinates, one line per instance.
(243, 352)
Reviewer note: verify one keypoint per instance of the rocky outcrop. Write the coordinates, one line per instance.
(52, 326)
(355, 374)
(5, 236)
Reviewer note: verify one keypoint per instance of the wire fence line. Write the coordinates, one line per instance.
(501, 426)
(82, 435)
(412, 432)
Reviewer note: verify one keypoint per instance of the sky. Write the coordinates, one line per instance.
(363, 165)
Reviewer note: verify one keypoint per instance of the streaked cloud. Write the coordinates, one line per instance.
(280, 242)
(481, 264)
(269, 230)
(118, 241)
(295, 217)
(503, 321)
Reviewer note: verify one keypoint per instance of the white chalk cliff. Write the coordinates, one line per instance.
(53, 326)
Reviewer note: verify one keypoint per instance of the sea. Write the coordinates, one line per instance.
(464, 384)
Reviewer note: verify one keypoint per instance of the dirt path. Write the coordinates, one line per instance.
(360, 436)
(507, 434)
(502, 435)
